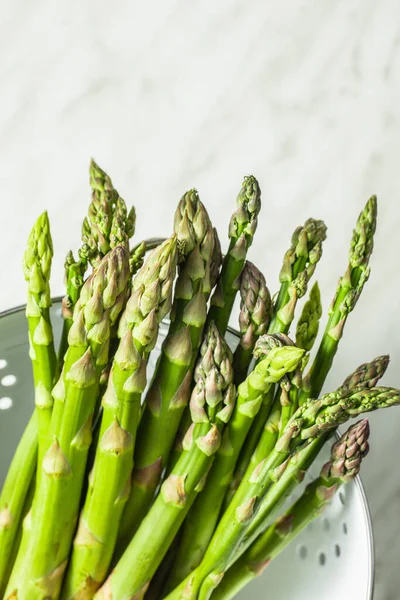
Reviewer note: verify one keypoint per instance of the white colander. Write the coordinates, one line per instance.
(331, 560)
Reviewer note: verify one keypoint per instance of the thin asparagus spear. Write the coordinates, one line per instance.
(311, 421)
(38, 571)
(242, 228)
(254, 317)
(37, 265)
(212, 402)
(30, 451)
(170, 388)
(109, 482)
(344, 466)
(347, 294)
(298, 266)
(15, 489)
(202, 519)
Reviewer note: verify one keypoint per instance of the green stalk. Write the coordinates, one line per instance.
(15, 489)
(38, 571)
(344, 466)
(242, 228)
(211, 404)
(109, 482)
(311, 421)
(202, 519)
(30, 451)
(347, 294)
(170, 388)
(298, 266)
(254, 318)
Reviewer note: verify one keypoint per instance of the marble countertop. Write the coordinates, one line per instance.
(169, 95)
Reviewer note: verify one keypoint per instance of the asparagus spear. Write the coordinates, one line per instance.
(311, 421)
(202, 519)
(20, 475)
(30, 451)
(107, 225)
(38, 571)
(170, 388)
(109, 482)
(298, 266)
(37, 265)
(347, 294)
(211, 404)
(242, 228)
(344, 466)
(254, 318)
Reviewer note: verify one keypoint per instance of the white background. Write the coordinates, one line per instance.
(171, 94)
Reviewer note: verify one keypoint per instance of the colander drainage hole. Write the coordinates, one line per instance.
(5, 403)
(341, 498)
(337, 550)
(326, 525)
(303, 552)
(3, 363)
(322, 559)
(344, 526)
(8, 380)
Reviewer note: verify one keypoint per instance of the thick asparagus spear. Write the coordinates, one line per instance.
(298, 266)
(344, 466)
(242, 228)
(202, 519)
(109, 482)
(170, 388)
(30, 451)
(254, 317)
(347, 294)
(211, 404)
(311, 421)
(38, 571)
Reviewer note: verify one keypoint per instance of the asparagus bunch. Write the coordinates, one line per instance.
(211, 406)
(45, 546)
(109, 483)
(312, 420)
(344, 465)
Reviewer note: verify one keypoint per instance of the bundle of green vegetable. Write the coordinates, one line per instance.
(116, 493)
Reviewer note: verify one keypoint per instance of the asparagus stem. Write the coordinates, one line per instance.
(344, 466)
(242, 228)
(38, 572)
(109, 481)
(202, 519)
(212, 402)
(170, 388)
(347, 294)
(311, 421)
(15, 489)
(254, 318)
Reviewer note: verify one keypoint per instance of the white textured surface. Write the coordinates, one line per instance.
(172, 94)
